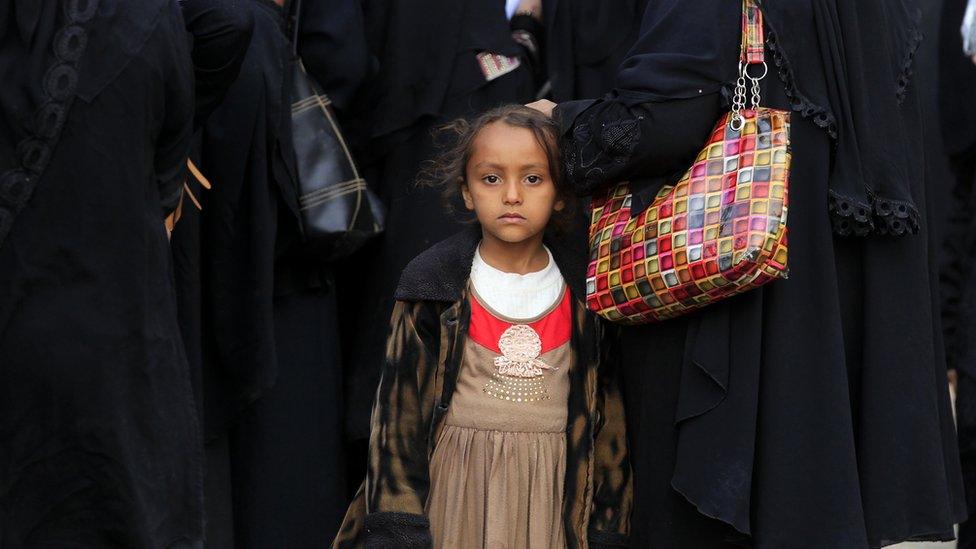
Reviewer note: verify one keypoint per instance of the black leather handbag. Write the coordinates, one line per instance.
(339, 212)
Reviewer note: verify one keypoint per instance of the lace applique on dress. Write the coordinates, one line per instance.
(520, 371)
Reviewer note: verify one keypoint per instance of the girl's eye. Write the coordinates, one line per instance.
(491, 179)
(533, 179)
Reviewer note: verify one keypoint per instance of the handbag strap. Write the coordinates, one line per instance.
(753, 53)
(753, 37)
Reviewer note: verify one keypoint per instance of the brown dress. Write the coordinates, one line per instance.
(499, 462)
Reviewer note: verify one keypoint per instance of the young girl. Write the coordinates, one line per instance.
(495, 424)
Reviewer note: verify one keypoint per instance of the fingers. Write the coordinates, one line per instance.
(543, 105)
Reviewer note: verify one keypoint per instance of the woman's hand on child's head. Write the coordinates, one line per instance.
(530, 7)
(543, 105)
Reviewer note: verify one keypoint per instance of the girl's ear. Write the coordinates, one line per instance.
(466, 195)
(559, 206)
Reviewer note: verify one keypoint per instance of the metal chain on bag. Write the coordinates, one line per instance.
(753, 53)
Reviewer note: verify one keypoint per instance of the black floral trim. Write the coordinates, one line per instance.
(15, 188)
(619, 139)
(583, 156)
(908, 64)
(895, 217)
(593, 154)
(571, 150)
(821, 116)
(879, 215)
(850, 216)
(59, 84)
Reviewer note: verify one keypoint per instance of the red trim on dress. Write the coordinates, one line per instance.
(555, 329)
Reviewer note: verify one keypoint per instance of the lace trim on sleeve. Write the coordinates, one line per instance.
(883, 216)
(58, 90)
(821, 116)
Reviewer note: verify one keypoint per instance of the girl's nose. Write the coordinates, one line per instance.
(513, 193)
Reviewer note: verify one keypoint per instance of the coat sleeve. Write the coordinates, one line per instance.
(530, 34)
(221, 31)
(612, 477)
(398, 480)
(332, 44)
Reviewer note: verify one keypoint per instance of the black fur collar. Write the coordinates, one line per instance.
(441, 273)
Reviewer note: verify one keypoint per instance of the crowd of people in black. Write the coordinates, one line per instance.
(179, 368)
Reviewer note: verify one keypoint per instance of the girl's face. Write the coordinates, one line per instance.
(508, 184)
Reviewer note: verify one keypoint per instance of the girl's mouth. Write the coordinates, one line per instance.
(511, 217)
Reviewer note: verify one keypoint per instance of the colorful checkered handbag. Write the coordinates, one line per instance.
(719, 231)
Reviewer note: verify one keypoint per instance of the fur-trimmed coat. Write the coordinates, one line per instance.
(427, 333)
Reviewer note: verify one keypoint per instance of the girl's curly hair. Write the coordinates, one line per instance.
(456, 139)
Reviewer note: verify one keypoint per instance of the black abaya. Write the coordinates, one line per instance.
(957, 85)
(810, 413)
(267, 322)
(287, 456)
(99, 439)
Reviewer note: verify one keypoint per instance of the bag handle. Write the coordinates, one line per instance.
(753, 52)
(753, 34)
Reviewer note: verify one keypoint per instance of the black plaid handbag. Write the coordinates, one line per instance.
(339, 212)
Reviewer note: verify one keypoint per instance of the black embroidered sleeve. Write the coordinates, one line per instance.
(608, 141)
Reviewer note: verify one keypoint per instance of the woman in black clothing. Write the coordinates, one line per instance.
(813, 412)
(99, 440)
(258, 313)
(288, 457)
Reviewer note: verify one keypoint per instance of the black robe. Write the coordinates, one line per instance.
(99, 437)
(258, 312)
(810, 413)
(586, 42)
(957, 87)
(428, 74)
